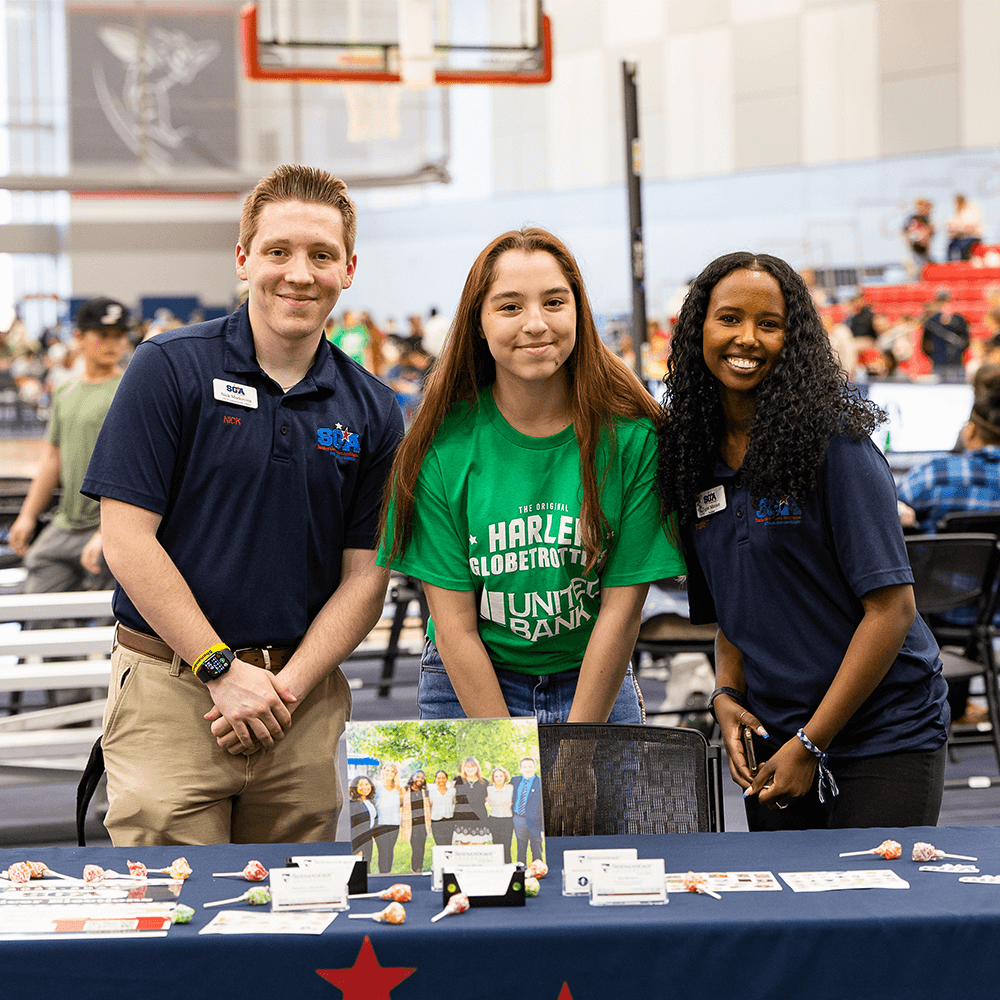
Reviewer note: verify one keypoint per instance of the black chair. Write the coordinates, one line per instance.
(402, 590)
(629, 779)
(949, 571)
(984, 521)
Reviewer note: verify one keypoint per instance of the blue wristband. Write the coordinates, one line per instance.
(825, 774)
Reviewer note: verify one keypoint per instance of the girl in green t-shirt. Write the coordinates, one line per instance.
(523, 498)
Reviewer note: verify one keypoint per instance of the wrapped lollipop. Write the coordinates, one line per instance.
(136, 869)
(394, 913)
(399, 893)
(888, 849)
(19, 872)
(531, 885)
(537, 869)
(928, 852)
(257, 896)
(695, 882)
(93, 873)
(182, 914)
(180, 869)
(35, 869)
(458, 903)
(254, 872)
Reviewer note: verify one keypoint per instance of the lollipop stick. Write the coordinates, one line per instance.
(710, 892)
(221, 874)
(961, 857)
(365, 895)
(852, 854)
(365, 916)
(438, 916)
(221, 902)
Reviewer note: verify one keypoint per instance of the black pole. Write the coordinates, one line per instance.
(633, 174)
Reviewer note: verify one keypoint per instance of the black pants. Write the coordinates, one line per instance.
(897, 789)
(502, 828)
(385, 841)
(418, 842)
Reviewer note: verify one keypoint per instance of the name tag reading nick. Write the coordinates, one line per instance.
(711, 501)
(233, 392)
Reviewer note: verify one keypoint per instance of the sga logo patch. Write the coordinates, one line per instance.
(339, 440)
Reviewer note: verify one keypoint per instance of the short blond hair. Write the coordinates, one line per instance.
(293, 182)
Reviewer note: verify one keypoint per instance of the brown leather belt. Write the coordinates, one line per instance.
(271, 658)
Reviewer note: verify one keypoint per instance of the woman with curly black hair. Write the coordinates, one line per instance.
(787, 512)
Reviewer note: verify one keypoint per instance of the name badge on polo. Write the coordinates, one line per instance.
(711, 501)
(233, 392)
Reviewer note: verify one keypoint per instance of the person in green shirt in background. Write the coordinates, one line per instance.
(67, 554)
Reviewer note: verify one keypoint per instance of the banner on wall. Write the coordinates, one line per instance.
(153, 88)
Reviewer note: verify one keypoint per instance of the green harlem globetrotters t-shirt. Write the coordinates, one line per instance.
(498, 513)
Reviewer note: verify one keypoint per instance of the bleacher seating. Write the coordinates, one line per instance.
(967, 283)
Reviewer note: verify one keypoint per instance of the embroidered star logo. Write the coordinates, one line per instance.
(366, 979)
(472, 539)
(339, 427)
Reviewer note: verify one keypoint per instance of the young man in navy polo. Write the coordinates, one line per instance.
(240, 472)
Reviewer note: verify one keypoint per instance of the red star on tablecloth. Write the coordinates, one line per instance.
(366, 979)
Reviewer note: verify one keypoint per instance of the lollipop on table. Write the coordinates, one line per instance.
(400, 893)
(537, 869)
(254, 872)
(19, 872)
(93, 873)
(257, 896)
(531, 885)
(39, 869)
(180, 869)
(888, 849)
(136, 869)
(696, 883)
(394, 913)
(182, 914)
(458, 903)
(928, 852)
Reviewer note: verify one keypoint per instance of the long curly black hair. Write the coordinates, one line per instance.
(801, 404)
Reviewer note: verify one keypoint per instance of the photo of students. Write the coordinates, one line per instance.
(417, 818)
(471, 826)
(499, 801)
(363, 816)
(389, 803)
(442, 799)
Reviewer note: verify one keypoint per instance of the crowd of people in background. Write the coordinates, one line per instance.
(472, 806)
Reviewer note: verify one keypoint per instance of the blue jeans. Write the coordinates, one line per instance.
(548, 697)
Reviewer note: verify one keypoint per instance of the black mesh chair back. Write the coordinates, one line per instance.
(629, 779)
(949, 571)
(952, 570)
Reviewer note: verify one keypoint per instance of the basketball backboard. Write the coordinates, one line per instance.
(413, 42)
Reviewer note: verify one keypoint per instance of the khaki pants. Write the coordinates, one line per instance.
(170, 783)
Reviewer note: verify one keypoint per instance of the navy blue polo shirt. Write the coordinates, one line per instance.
(785, 585)
(260, 491)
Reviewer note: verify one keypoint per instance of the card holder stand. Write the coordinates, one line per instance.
(513, 896)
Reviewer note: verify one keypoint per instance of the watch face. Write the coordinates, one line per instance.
(215, 666)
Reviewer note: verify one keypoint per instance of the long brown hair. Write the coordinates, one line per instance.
(601, 387)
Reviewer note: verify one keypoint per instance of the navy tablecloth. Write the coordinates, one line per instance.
(937, 937)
